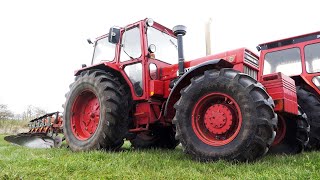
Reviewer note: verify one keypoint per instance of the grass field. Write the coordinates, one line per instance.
(20, 162)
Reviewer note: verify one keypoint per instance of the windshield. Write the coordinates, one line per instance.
(287, 61)
(166, 45)
(103, 51)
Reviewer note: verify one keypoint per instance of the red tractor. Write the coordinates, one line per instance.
(223, 106)
(299, 58)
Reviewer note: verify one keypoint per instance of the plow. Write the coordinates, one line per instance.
(235, 105)
(44, 132)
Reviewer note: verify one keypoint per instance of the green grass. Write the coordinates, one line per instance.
(20, 162)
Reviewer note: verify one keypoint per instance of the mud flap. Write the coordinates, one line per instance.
(35, 140)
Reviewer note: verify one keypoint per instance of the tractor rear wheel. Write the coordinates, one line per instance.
(310, 104)
(95, 112)
(292, 134)
(225, 115)
(163, 137)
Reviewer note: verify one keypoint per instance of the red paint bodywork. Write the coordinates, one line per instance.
(150, 106)
(234, 56)
(282, 89)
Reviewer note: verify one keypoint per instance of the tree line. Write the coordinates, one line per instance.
(30, 113)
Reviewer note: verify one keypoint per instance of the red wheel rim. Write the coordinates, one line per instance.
(85, 115)
(216, 119)
(281, 131)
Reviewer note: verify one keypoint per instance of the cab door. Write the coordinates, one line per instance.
(131, 59)
(162, 52)
(312, 63)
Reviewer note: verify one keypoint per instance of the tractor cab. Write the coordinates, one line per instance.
(297, 57)
(138, 51)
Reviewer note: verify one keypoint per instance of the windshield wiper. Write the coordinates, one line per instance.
(122, 46)
(173, 43)
(169, 38)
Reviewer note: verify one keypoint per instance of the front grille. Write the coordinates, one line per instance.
(250, 72)
(250, 59)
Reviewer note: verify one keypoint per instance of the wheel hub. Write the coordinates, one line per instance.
(86, 115)
(218, 119)
(91, 112)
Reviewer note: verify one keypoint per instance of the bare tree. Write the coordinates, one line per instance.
(5, 113)
(39, 111)
(17, 116)
(32, 112)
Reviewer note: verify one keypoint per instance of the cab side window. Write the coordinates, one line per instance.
(316, 81)
(312, 57)
(130, 44)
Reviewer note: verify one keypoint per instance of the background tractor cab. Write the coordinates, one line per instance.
(297, 57)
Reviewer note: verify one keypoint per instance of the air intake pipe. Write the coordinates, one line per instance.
(180, 31)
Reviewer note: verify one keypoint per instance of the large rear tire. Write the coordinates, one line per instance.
(225, 115)
(310, 104)
(292, 134)
(95, 112)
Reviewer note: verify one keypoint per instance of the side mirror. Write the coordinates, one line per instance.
(89, 41)
(258, 48)
(114, 35)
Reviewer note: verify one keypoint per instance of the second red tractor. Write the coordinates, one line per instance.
(233, 105)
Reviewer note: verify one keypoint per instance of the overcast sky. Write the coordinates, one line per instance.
(43, 42)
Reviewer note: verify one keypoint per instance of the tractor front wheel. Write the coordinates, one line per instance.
(310, 104)
(292, 134)
(225, 115)
(95, 112)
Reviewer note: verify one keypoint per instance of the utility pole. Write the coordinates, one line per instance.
(208, 36)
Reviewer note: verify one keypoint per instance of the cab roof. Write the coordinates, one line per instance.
(291, 40)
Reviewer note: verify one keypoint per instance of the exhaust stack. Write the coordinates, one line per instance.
(180, 31)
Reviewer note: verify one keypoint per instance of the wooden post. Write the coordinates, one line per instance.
(208, 36)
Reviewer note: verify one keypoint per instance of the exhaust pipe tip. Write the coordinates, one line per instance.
(179, 30)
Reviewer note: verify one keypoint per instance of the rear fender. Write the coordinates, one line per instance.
(102, 66)
(184, 80)
(305, 84)
(114, 69)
